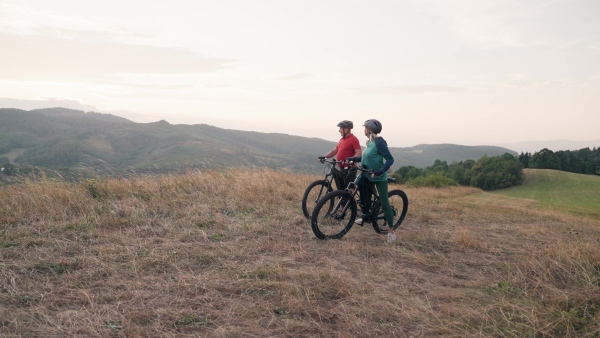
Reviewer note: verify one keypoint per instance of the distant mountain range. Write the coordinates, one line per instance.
(60, 137)
(554, 145)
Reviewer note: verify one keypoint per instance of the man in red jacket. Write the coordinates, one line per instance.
(348, 146)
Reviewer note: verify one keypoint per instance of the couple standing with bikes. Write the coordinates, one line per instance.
(375, 161)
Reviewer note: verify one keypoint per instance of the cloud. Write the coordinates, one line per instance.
(217, 85)
(508, 23)
(293, 77)
(158, 86)
(521, 80)
(403, 89)
(37, 57)
(26, 20)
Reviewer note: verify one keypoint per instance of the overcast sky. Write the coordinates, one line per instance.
(471, 72)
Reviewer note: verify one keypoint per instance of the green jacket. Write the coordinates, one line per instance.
(373, 158)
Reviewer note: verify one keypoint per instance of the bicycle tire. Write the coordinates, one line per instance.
(334, 215)
(399, 203)
(313, 193)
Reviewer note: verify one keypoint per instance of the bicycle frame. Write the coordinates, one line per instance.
(353, 190)
(329, 176)
(335, 174)
(319, 188)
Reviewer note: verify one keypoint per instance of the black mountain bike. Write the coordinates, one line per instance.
(335, 213)
(317, 189)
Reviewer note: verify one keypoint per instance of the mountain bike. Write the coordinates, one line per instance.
(335, 213)
(318, 189)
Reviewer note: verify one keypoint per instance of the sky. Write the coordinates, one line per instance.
(469, 72)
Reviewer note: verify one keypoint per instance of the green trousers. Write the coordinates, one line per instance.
(382, 191)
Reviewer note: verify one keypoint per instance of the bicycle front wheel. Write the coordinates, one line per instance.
(313, 194)
(399, 204)
(334, 215)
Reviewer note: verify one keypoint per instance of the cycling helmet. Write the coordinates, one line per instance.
(373, 125)
(346, 124)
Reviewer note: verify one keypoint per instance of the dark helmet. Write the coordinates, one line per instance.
(373, 125)
(346, 124)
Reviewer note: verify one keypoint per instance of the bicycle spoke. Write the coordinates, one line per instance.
(399, 204)
(331, 218)
(313, 194)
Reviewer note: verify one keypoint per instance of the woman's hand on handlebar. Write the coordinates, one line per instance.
(353, 159)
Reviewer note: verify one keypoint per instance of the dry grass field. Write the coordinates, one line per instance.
(229, 254)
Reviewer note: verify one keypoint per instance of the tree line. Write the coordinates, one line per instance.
(498, 172)
(582, 161)
(487, 173)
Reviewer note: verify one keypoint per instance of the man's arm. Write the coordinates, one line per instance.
(357, 148)
(332, 153)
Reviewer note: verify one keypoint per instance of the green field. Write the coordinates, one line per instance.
(560, 190)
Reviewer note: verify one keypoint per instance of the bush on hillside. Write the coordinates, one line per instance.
(490, 173)
(433, 180)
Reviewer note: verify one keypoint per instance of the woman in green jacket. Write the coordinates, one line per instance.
(378, 158)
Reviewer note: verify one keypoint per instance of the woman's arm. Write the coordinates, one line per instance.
(382, 148)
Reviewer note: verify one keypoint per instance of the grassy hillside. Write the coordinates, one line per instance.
(559, 190)
(229, 254)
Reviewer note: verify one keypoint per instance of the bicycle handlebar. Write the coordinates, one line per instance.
(369, 171)
(322, 159)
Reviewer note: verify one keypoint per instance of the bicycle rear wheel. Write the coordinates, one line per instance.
(399, 203)
(334, 215)
(314, 192)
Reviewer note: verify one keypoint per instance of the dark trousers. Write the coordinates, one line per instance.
(343, 176)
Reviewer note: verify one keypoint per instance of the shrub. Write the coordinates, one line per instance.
(490, 173)
(433, 180)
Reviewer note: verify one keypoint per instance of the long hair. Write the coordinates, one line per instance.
(372, 136)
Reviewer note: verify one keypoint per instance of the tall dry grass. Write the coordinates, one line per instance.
(229, 254)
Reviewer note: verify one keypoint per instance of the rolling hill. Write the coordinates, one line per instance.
(560, 190)
(60, 137)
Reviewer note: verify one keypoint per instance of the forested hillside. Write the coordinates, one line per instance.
(104, 143)
(582, 161)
